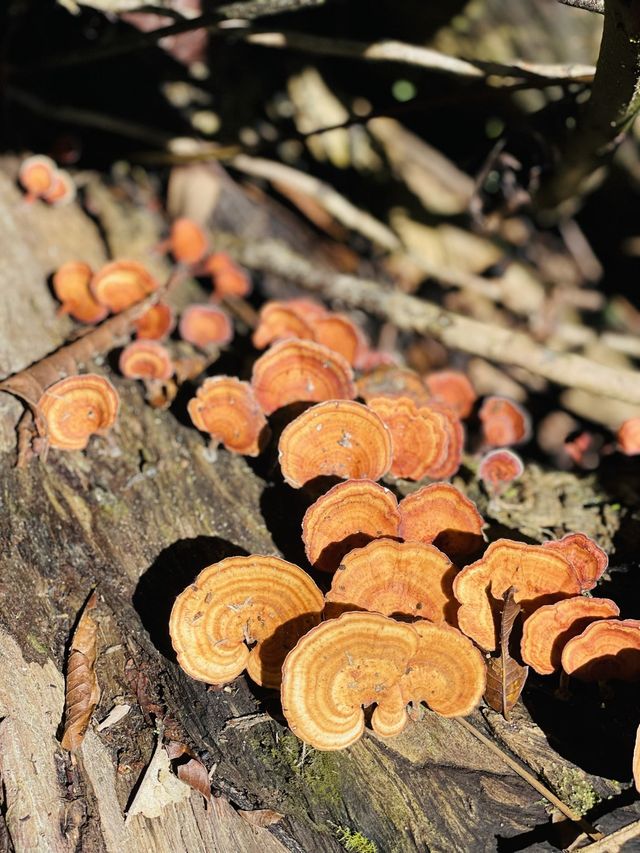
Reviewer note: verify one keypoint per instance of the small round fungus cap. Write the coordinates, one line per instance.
(36, 175)
(442, 515)
(341, 667)
(243, 613)
(298, 371)
(447, 673)
(73, 409)
(227, 409)
(504, 422)
(120, 284)
(338, 438)
(548, 630)
(608, 649)
(62, 190)
(156, 323)
(348, 516)
(339, 334)
(587, 559)
(390, 381)
(399, 579)
(499, 468)
(188, 241)
(539, 575)
(205, 326)
(228, 278)
(629, 437)
(71, 287)
(277, 322)
(145, 360)
(454, 389)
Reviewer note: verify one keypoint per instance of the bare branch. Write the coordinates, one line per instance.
(588, 5)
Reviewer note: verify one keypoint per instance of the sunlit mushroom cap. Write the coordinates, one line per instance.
(539, 575)
(243, 613)
(227, 277)
(36, 175)
(348, 516)
(73, 409)
(277, 322)
(156, 323)
(341, 667)
(205, 326)
(62, 190)
(188, 241)
(418, 435)
(339, 334)
(454, 389)
(441, 514)
(629, 437)
(499, 468)
(587, 559)
(338, 438)
(71, 286)
(297, 371)
(399, 579)
(447, 672)
(636, 761)
(548, 630)
(607, 649)
(308, 309)
(504, 422)
(391, 381)
(120, 284)
(145, 360)
(451, 456)
(227, 409)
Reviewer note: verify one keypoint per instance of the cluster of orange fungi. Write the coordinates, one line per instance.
(40, 178)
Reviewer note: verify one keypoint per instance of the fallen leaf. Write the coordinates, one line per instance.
(159, 787)
(261, 817)
(189, 768)
(505, 677)
(82, 690)
(114, 716)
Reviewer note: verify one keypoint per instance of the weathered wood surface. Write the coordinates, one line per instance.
(137, 516)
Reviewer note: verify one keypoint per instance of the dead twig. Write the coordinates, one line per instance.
(596, 6)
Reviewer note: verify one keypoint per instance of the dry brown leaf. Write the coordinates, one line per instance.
(505, 677)
(190, 769)
(82, 690)
(261, 817)
(158, 788)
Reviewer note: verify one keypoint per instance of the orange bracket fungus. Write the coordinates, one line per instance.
(205, 326)
(400, 579)
(503, 422)
(539, 576)
(452, 388)
(36, 176)
(348, 516)
(629, 437)
(389, 381)
(228, 278)
(338, 438)
(156, 323)
(548, 630)
(608, 649)
(72, 410)
(339, 334)
(120, 284)
(451, 456)
(243, 613)
(71, 286)
(277, 321)
(297, 371)
(227, 409)
(62, 190)
(587, 559)
(308, 309)
(145, 360)
(188, 241)
(442, 515)
(499, 468)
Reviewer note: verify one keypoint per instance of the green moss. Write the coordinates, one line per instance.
(575, 791)
(353, 841)
(37, 645)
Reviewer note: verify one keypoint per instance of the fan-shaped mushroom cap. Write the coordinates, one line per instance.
(452, 388)
(504, 422)
(227, 409)
(205, 326)
(188, 241)
(441, 514)
(587, 559)
(243, 613)
(308, 309)
(451, 457)
(348, 516)
(418, 436)
(156, 323)
(340, 667)
(636, 761)
(629, 437)
(548, 630)
(71, 286)
(499, 468)
(608, 649)
(73, 409)
(339, 334)
(145, 360)
(278, 322)
(227, 277)
(297, 371)
(539, 575)
(62, 190)
(36, 175)
(393, 382)
(120, 284)
(338, 438)
(447, 672)
(399, 579)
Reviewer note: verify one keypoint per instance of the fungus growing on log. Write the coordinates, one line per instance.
(205, 326)
(72, 410)
(608, 649)
(243, 613)
(498, 469)
(308, 309)
(277, 322)
(503, 422)
(339, 334)
(442, 515)
(629, 437)
(548, 630)
(71, 287)
(393, 382)
(156, 323)
(452, 388)
(120, 284)
(399, 579)
(587, 559)
(348, 516)
(338, 438)
(145, 360)
(299, 371)
(227, 278)
(62, 190)
(226, 408)
(36, 175)
(188, 241)
(451, 456)
(539, 576)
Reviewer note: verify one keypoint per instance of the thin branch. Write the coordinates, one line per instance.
(596, 6)
(617, 841)
(494, 343)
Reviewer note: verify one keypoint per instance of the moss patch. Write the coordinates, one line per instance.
(353, 841)
(575, 791)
